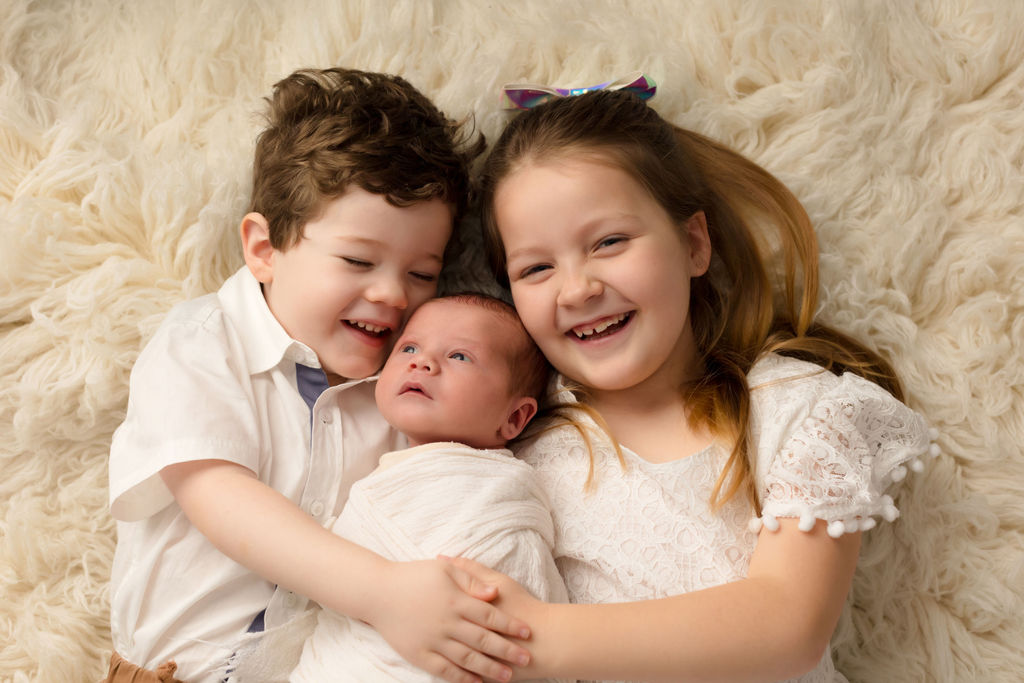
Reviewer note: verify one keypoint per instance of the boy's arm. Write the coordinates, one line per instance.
(773, 625)
(425, 610)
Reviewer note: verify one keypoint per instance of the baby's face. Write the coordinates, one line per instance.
(448, 377)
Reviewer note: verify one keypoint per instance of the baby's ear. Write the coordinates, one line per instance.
(523, 410)
(256, 247)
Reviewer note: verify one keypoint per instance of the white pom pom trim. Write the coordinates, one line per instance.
(836, 528)
(808, 520)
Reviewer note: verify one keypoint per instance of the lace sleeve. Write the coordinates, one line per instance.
(849, 441)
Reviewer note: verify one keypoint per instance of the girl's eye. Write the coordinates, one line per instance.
(425, 277)
(358, 263)
(458, 355)
(532, 270)
(610, 241)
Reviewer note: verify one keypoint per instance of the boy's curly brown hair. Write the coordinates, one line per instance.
(329, 129)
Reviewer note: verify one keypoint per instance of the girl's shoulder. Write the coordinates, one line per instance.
(773, 369)
(780, 383)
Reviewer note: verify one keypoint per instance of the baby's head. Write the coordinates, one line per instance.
(465, 370)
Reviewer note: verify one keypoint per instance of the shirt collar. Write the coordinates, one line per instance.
(265, 342)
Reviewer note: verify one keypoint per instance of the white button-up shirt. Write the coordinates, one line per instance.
(218, 381)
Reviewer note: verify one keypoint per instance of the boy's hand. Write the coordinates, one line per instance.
(437, 617)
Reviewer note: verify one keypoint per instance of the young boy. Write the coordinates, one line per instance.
(463, 379)
(250, 415)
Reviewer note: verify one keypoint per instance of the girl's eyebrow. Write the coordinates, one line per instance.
(618, 220)
(522, 251)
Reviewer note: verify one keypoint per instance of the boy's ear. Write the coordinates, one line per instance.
(522, 412)
(259, 254)
(699, 243)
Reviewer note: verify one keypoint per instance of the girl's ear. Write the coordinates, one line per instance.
(699, 243)
(523, 410)
(259, 254)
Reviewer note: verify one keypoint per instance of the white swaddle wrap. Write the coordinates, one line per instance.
(441, 498)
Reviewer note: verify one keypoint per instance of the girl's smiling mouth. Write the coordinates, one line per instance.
(602, 328)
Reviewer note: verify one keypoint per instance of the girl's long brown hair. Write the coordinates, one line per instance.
(760, 292)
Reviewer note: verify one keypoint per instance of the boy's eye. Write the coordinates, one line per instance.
(458, 355)
(426, 277)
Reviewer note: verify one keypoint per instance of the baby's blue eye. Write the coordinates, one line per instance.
(458, 355)
(407, 348)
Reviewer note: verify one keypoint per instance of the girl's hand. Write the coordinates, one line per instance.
(511, 596)
(513, 599)
(437, 616)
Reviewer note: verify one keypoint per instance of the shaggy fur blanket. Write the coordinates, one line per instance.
(126, 134)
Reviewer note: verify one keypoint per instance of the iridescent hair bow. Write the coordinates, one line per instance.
(529, 95)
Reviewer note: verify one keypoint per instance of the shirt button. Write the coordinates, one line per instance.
(316, 509)
(326, 418)
(290, 600)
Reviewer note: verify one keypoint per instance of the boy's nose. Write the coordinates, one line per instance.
(388, 291)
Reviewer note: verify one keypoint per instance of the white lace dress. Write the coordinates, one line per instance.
(827, 447)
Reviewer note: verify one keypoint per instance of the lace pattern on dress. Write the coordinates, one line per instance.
(854, 440)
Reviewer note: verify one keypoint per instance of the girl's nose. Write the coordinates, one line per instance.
(578, 287)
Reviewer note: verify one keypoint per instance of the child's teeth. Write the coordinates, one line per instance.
(600, 327)
(370, 328)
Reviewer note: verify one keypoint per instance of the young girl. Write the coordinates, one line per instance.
(673, 283)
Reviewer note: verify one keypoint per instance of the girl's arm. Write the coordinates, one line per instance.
(774, 624)
(425, 610)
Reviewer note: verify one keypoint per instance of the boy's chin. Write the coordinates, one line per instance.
(351, 371)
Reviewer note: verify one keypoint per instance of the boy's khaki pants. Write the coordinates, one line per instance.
(123, 671)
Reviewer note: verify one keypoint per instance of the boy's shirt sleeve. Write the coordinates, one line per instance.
(189, 399)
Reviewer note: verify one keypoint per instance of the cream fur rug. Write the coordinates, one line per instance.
(126, 130)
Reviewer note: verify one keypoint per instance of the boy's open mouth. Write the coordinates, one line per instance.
(368, 328)
(606, 327)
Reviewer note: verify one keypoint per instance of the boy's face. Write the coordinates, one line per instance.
(362, 267)
(448, 378)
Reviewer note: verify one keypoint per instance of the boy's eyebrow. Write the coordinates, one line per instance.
(370, 242)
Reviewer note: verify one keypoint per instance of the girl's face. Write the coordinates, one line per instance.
(600, 274)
